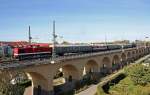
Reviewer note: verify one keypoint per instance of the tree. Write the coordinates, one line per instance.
(65, 43)
(6, 88)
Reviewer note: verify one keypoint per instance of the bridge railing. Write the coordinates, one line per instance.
(86, 55)
(63, 58)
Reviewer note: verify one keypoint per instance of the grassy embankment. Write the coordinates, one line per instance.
(126, 86)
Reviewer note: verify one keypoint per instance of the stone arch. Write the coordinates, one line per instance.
(143, 50)
(106, 62)
(64, 77)
(133, 54)
(140, 51)
(91, 66)
(146, 50)
(116, 59)
(106, 65)
(70, 71)
(129, 55)
(123, 57)
(137, 53)
(39, 83)
(116, 62)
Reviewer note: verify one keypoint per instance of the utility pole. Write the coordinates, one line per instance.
(30, 38)
(54, 42)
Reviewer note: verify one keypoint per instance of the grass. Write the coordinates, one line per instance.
(127, 87)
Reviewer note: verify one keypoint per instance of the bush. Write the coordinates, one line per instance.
(112, 82)
(26, 83)
(139, 74)
(103, 87)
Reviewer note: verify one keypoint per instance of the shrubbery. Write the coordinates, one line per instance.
(25, 83)
(139, 74)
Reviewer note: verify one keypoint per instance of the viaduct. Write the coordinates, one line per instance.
(42, 72)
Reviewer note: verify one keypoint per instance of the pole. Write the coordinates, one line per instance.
(105, 39)
(30, 38)
(54, 41)
(106, 44)
(146, 41)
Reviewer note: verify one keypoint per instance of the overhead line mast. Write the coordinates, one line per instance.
(54, 42)
(30, 38)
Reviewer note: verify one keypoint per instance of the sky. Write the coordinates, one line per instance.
(76, 20)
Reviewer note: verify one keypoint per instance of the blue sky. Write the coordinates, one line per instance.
(76, 20)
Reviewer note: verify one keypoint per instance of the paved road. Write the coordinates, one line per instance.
(28, 91)
(90, 91)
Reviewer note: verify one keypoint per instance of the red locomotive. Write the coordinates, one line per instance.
(32, 52)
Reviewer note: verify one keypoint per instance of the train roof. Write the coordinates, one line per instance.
(70, 45)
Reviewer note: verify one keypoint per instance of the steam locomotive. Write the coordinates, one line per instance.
(36, 51)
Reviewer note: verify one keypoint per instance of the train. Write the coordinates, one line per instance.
(35, 51)
(5, 51)
(31, 52)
